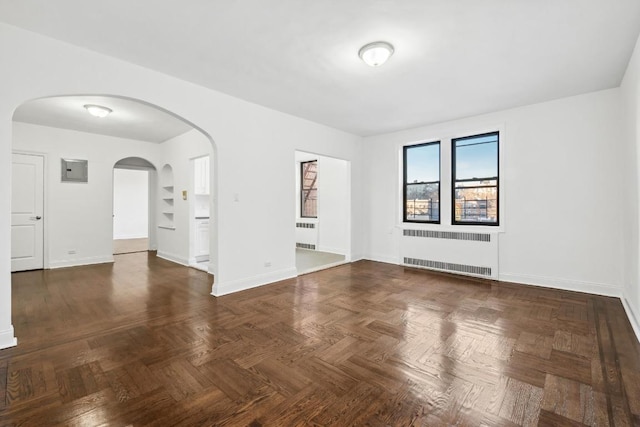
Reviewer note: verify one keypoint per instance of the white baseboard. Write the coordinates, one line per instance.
(383, 258)
(173, 258)
(130, 236)
(7, 339)
(202, 258)
(80, 261)
(545, 282)
(634, 318)
(323, 267)
(564, 284)
(331, 250)
(225, 288)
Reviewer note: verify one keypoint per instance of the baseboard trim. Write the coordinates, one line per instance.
(382, 258)
(226, 288)
(542, 281)
(563, 284)
(633, 319)
(173, 258)
(7, 339)
(323, 267)
(132, 236)
(80, 261)
(331, 250)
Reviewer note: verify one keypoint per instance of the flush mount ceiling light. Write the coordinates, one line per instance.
(376, 53)
(98, 110)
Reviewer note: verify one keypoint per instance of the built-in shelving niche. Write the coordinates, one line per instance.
(167, 199)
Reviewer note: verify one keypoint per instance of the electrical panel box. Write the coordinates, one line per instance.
(75, 170)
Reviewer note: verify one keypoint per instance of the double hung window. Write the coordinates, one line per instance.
(309, 189)
(475, 179)
(421, 187)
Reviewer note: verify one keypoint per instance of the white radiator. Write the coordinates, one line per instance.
(307, 235)
(474, 254)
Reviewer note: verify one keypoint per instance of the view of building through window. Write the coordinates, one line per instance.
(422, 183)
(309, 193)
(475, 178)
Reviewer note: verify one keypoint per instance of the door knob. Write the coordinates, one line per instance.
(35, 218)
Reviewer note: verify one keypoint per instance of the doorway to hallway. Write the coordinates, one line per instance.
(133, 220)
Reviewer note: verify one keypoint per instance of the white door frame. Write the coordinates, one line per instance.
(45, 207)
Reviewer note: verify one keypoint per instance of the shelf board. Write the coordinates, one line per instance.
(168, 213)
(167, 227)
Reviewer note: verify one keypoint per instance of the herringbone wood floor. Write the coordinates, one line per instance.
(141, 342)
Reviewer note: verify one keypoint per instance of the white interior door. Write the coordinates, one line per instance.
(27, 206)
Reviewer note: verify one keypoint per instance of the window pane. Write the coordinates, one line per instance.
(477, 157)
(310, 203)
(477, 201)
(423, 202)
(475, 179)
(309, 193)
(423, 163)
(422, 182)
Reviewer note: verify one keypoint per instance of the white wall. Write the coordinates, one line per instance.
(562, 184)
(130, 204)
(333, 205)
(630, 90)
(78, 216)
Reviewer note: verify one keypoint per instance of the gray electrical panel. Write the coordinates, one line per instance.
(75, 170)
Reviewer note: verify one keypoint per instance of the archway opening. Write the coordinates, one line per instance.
(78, 215)
(134, 216)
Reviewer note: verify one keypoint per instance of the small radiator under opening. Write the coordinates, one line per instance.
(468, 253)
(305, 246)
(447, 266)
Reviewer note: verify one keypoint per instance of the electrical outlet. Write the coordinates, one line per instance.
(71, 252)
(267, 263)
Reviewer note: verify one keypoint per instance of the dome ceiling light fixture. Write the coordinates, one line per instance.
(376, 53)
(98, 110)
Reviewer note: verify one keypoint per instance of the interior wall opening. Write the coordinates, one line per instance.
(322, 199)
(78, 214)
(134, 222)
(200, 212)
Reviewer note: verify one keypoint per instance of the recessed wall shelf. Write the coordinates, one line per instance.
(166, 198)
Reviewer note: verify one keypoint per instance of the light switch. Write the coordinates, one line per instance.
(184, 194)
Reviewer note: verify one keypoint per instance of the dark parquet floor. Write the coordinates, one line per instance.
(141, 342)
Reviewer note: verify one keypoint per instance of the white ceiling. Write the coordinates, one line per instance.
(452, 58)
(129, 119)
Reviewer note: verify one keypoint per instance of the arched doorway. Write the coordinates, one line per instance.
(79, 215)
(134, 213)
